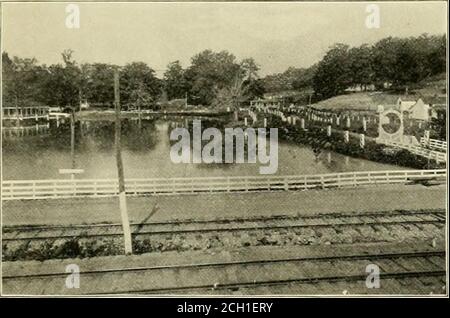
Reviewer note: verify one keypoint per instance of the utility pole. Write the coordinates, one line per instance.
(72, 140)
(79, 99)
(16, 103)
(122, 195)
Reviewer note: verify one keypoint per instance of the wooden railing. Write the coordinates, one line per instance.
(421, 151)
(29, 112)
(48, 189)
(434, 143)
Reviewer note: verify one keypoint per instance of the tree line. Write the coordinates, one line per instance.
(217, 79)
(213, 79)
(394, 63)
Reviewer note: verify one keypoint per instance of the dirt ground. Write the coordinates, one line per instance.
(213, 206)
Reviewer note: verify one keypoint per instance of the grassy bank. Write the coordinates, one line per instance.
(317, 138)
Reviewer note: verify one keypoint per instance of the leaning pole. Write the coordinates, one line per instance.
(122, 195)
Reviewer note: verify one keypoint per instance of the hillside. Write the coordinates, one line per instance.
(432, 91)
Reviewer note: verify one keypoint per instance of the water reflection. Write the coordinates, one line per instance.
(145, 152)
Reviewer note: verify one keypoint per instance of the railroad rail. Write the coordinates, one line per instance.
(246, 225)
(57, 188)
(231, 274)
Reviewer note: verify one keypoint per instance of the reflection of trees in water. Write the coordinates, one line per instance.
(94, 135)
(98, 135)
(220, 124)
(135, 137)
(58, 138)
(139, 137)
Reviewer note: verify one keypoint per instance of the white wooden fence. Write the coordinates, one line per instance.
(47, 189)
(421, 151)
(434, 143)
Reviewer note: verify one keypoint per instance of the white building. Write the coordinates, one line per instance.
(414, 109)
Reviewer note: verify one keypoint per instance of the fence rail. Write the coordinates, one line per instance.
(48, 189)
(434, 143)
(421, 151)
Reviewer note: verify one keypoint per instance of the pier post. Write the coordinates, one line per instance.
(362, 140)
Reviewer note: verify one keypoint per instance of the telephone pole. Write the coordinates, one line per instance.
(72, 140)
(122, 194)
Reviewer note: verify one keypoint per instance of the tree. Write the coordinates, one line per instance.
(137, 79)
(140, 97)
(436, 57)
(99, 85)
(20, 80)
(250, 69)
(292, 78)
(62, 83)
(243, 88)
(175, 83)
(385, 59)
(303, 78)
(361, 70)
(333, 72)
(254, 89)
(209, 73)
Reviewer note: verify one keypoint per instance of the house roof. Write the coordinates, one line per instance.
(408, 104)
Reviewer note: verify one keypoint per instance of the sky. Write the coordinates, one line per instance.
(276, 35)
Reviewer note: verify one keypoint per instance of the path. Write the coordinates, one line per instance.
(223, 205)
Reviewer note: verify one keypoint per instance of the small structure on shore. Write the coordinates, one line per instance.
(414, 109)
(27, 112)
(266, 103)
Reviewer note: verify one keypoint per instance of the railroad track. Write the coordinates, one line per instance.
(349, 267)
(335, 221)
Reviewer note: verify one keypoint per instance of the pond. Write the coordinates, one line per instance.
(145, 153)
